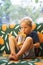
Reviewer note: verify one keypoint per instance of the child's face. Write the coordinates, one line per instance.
(25, 28)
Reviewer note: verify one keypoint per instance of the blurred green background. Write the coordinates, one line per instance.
(11, 11)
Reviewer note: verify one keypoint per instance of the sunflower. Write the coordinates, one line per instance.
(1, 41)
(12, 25)
(40, 35)
(4, 27)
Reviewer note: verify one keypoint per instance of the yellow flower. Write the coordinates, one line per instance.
(40, 35)
(12, 25)
(4, 27)
(1, 41)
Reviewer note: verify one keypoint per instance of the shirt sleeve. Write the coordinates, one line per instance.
(35, 37)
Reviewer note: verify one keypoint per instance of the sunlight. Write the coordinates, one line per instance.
(23, 3)
(16, 2)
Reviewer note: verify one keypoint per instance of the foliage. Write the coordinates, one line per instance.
(17, 12)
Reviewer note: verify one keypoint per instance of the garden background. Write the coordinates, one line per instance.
(11, 11)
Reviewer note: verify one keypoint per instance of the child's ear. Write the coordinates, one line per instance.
(33, 26)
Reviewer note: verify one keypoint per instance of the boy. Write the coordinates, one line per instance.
(26, 50)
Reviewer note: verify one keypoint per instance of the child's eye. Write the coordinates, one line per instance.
(25, 27)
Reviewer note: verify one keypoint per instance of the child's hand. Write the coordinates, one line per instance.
(20, 46)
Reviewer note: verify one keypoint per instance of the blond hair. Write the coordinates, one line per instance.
(28, 21)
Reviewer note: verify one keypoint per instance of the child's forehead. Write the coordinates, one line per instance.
(23, 23)
(26, 22)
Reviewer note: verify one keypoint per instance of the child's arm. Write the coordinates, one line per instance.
(37, 45)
